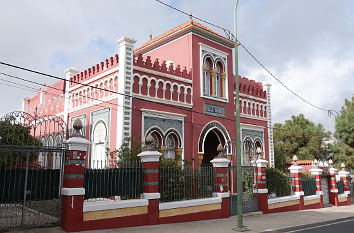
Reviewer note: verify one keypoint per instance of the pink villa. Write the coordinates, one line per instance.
(179, 87)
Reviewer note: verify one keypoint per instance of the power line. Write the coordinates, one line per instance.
(108, 102)
(248, 52)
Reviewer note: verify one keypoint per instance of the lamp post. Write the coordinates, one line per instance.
(238, 142)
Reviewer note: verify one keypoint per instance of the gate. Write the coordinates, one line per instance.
(249, 182)
(32, 151)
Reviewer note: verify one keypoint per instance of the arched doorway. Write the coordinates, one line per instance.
(213, 134)
(210, 145)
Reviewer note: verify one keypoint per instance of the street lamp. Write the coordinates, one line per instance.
(238, 134)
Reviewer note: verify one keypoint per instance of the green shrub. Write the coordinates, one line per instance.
(278, 182)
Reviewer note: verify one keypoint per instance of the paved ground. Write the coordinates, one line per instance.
(256, 222)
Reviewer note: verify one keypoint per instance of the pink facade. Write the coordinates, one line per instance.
(179, 87)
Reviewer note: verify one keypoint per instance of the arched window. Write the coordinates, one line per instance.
(170, 146)
(206, 76)
(99, 158)
(248, 152)
(218, 80)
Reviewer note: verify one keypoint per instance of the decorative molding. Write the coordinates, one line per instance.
(106, 73)
(72, 191)
(172, 115)
(195, 202)
(164, 101)
(312, 197)
(111, 204)
(260, 190)
(158, 73)
(149, 156)
(220, 162)
(283, 199)
(151, 196)
(222, 195)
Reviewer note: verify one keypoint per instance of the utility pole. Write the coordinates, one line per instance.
(238, 139)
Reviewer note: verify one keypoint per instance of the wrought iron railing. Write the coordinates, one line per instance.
(280, 187)
(309, 187)
(183, 183)
(340, 186)
(122, 180)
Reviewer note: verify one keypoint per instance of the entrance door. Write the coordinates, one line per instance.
(324, 187)
(210, 147)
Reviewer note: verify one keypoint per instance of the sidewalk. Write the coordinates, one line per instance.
(256, 222)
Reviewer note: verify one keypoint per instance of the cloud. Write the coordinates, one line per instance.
(308, 45)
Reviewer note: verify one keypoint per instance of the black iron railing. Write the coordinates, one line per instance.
(183, 183)
(123, 180)
(340, 186)
(280, 187)
(309, 187)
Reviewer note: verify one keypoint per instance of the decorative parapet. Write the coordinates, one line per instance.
(162, 67)
(94, 70)
(252, 88)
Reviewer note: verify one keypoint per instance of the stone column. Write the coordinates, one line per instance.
(317, 172)
(296, 174)
(150, 159)
(73, 186)
(212, 76)
(261, 184)
(333, 191)
(221, 186)
(223, 77)
(344, 175)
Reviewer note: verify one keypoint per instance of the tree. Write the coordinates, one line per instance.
(343, 150)
(297, 136)
(17, 135)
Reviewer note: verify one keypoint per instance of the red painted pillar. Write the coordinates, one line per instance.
(221, 187)
(150, 159)
(344, 175)
(296, 174)
(261, 185)
(73, 186)
(316, 172)
(333, 191)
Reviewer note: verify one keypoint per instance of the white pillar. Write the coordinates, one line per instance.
(125, 75)
(269, 125)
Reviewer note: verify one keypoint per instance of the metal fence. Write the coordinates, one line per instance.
(118, 180)
(280, 187)
(183, 183)
(340, 186)
(309, 187)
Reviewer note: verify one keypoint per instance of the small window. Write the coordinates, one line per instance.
(170, 147)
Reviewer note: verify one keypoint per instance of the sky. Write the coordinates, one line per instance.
(307, 45)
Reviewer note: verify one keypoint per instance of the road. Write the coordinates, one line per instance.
(345, 225)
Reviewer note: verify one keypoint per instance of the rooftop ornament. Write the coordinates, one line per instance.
(330, 163)
(220, 149)
(295, 160)
(77, 129)
(315, 163)
(342, 166)
(260, 153)
(149, 143)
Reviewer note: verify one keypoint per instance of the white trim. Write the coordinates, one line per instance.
(149, 156)
(342, 195)
(252, 117)
(214, 50)
(252, 97)
(158, 73)
(312, 197)
(299, 193)
(343, 173)
(283, 199)
(332, 171)
(96, 102)
(215, 98)
(111, 204)
(252, 127)
(319, 193)
(316, 171)
(151, 196)
(72, 191)
(295, 169)
(173, 115)
(261, 162)
(188, 203)
(158, 100)
(347, 192)
(222, 195)
(260, 190)
(106, 73)
(78, 143)
(220, 162)
(334, 190)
